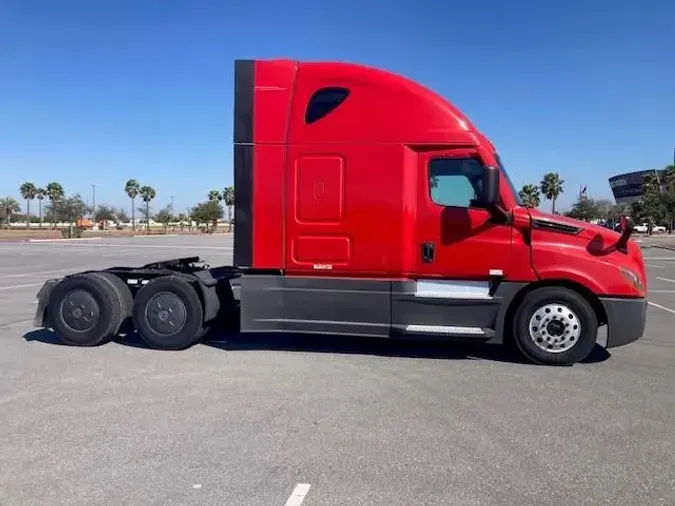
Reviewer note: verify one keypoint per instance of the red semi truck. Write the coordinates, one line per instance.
(368, 205)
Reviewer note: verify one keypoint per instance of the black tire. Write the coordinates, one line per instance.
(85, 310)
(167, 313)
(568, 331)
(123, 293)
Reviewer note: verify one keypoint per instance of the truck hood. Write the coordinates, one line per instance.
(566, 248)
(587, 230)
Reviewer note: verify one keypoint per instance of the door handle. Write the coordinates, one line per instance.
(428, 251)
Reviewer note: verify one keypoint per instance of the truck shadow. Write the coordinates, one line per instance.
(415, 349)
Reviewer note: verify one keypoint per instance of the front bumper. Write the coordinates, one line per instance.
(41, 315)
(626, 320)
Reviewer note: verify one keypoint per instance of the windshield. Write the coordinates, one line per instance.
(516, 196)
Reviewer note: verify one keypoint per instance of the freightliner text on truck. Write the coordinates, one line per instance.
(368, 205)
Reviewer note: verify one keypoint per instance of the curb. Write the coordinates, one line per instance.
(66, 240)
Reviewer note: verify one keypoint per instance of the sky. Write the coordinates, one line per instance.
(97, 92)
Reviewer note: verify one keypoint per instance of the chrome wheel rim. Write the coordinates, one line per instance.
(555, 328)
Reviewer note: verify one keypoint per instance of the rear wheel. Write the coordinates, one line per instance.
(85, 310)
(123, 294)
(167, 313)
(555, 326)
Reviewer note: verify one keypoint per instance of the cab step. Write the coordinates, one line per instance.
(447, 330)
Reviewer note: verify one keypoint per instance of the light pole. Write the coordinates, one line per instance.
(93, 206)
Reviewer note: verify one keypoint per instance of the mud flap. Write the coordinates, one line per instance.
(43, 294)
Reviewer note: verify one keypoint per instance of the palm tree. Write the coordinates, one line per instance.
(147, 193)
(28, 192)
(228, 198)
(552, 186)
(529, 194)
(40, 195)
(132, 189)
(215, 196)
(55, 194)
(8, 205)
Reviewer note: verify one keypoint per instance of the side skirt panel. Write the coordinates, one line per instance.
(375, 308)
(467, 309)
(274, 303)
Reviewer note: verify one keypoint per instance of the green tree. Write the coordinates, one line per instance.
(182, 219)
(147, 193)
(668, 178)
(649, 209)
(28, 192)
(164, 216)
(72, 209)
(529, 194)
(585, 208)
(609, 211)
(552, 187)
(650, 184)
(228, 198)
(55, 194)
(122, 216)
(207, 212)
(668, 193)
(9, 206)
(132, 188)
(40, 196)
(215, 196)
(105, 213)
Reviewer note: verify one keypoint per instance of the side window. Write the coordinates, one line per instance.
(323, 102)
(455, 182)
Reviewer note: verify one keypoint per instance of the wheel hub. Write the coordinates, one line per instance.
(555, 328)
(80, 310)
(166, 313)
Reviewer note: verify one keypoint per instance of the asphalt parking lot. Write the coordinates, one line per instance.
(321, 421)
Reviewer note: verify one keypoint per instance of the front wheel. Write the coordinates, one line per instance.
(555, 326)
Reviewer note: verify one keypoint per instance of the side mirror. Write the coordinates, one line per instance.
(626, 231)
(490, 194)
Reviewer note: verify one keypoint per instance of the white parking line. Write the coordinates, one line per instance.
(153, 235)
(662, 307)
(298, 495)
(47, 245)
(662, 259)
(666, 279)
(654, 266)
(38, 273)
(20, 286)
(661, 291)
(66, 240)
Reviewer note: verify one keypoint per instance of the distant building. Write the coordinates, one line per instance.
(627, 187)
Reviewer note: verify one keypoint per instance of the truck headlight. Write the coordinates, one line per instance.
(633, 279)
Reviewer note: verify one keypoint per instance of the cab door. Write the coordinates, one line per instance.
(457, 238)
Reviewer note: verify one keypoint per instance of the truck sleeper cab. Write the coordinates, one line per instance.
(366, 204)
